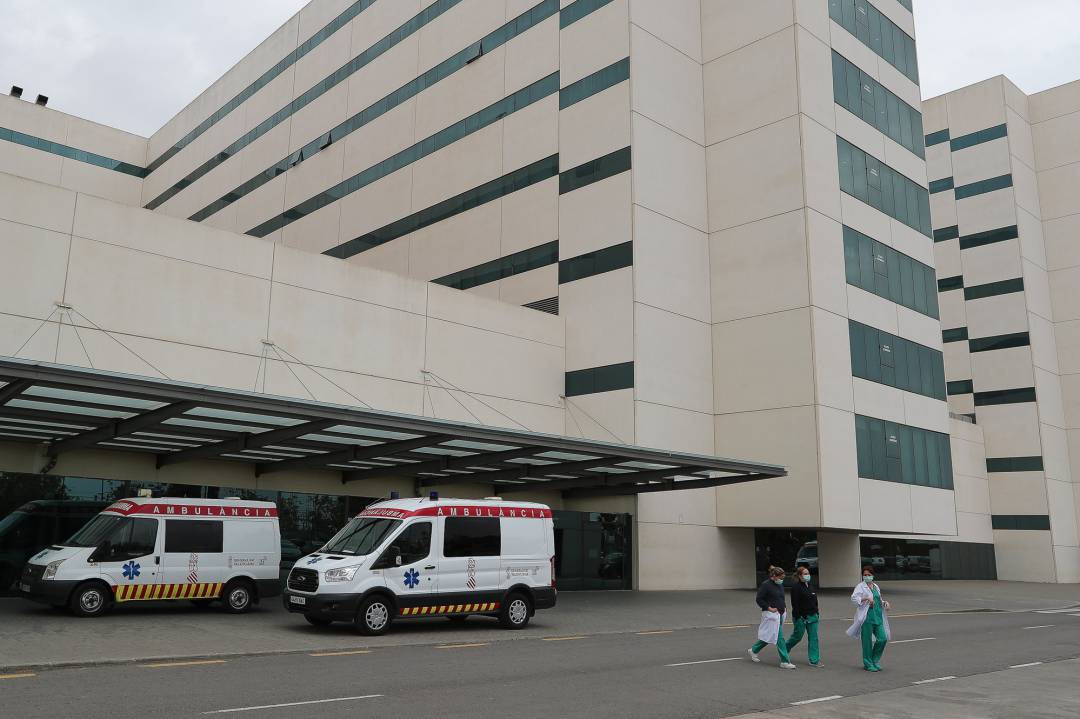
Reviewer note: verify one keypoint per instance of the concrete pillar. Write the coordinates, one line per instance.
(839, 559)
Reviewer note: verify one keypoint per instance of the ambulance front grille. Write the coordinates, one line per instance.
(32, 572)
(303, 580)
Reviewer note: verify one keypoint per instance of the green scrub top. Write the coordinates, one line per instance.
(874, 615)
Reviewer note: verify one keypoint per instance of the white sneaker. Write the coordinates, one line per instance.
(786, 665)
(819, 665)
(753, 657)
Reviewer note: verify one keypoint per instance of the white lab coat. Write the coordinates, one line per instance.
(863, 592)
(769, 629)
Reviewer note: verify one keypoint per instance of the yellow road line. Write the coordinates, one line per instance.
(461, 646)
(24, 675)
(560, 639)
(340, 654)
(659, 631)
(200, 662)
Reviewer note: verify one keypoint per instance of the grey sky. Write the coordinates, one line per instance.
(133, 64)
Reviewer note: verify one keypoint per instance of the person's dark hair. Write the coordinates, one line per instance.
(868, 568)
(776, 571)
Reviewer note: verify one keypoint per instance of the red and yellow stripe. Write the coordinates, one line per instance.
(438, 609)
(146, 592)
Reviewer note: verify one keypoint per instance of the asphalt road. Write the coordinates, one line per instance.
(661, 673)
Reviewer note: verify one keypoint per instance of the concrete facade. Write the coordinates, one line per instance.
(663, 176)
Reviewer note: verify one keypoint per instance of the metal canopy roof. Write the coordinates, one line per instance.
(73, 408)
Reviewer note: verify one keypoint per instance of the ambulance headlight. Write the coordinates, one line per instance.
(341, 574)
(50, 570)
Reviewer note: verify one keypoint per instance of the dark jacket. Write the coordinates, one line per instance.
(771, 594)
(803, 601)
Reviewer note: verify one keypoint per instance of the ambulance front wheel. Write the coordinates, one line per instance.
(91, 599)
(238, 596)
(515, 612)
(373, 617)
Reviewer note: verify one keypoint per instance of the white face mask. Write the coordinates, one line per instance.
(869, 578)
(805, 578)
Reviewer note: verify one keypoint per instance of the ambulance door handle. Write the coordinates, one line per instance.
(157, 560)
(430, 566)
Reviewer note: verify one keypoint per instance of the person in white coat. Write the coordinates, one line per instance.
(871, 620)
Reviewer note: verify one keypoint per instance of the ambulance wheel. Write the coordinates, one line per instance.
(373, 617)
(91, 599)
(318, 621)
(237, 596)
(515, 612)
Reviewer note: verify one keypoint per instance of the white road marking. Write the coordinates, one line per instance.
(293, 704)
(1056, 611)
(1021, 666)
(661, 631)
(1040, 626)
(907, 641)
(936, 679)
(703, 661)
(815, 701)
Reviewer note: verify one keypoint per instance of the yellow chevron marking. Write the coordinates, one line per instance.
(217, 592)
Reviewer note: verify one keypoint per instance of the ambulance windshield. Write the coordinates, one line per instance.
(361, 536)
(94, 531)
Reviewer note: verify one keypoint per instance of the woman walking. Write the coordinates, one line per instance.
(804, 612)
(770, 597)
(871, 620)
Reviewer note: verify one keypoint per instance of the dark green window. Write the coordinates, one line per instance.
(1014, 464)
(881, 357)
(957, 334)
(511, 182)
(595, 263)
(1000, 342)
(55, 148)
(936, 138)
(876, 105)
(893, 452)
(600, 379)
(978, 239)
(1005, 396)
(963, 386)
(1036, 522)
(977, 138)
(941, 185)
(992, 289)
(878, 33)
(946, 233)
(599, 81)
(515, 264)
(579, 9)
(867, 179)
(878, 268)
(595, 170)
(906, 4)
(983, 186)
(946, 284)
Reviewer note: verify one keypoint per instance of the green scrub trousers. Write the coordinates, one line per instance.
(873, 636)
(808, 626)
(781, 645)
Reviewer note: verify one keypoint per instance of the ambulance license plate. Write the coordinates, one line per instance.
(298, 600)
(24, 587)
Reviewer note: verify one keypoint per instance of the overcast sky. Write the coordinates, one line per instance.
(133, 64)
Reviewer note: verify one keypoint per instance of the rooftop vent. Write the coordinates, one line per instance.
(16, 91)
(42, 100)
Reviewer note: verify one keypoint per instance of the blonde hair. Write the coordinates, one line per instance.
(776, 571)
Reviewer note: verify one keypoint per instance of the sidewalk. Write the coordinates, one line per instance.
(33, 635)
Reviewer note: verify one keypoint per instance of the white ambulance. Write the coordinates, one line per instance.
(146, 549)
(406, 558)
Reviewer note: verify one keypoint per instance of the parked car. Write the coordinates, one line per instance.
(34, 526)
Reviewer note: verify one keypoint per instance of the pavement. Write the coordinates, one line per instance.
(34, 636)
(946, 664)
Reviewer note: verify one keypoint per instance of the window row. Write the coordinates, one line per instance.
(488, 192)
(878, 268)
(1014, 464)
(977, 138)
(947, 284)
(983, 186)
(579, 9)
(503, 267)
(867, 98)
(957, 334)
(978, 239)
(429, 78)
(993, 289)
(945, 183)
(944, 234)
(282, 65)
(880, 357)
(936, 138)
(894, 452)
(55, 148)
(599, 81)
(590, 264)
(1036, 522)
(601, 168)
(866, 178)
(877, 32)
(1000, 342)
(600, 379)
(1021, 395)
(462, 128)
(963, 386)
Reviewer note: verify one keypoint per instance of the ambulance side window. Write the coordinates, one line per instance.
(135, 537)
(204, 536)
(414, 542)
(472, 537)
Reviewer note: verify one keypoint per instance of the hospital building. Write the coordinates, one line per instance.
(707, 277)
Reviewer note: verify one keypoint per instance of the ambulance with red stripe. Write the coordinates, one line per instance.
(147, 549)
(416, 558)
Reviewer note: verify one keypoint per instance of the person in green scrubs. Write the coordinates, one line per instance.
(874, 625)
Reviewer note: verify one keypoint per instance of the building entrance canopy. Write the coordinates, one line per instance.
(72, 408)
